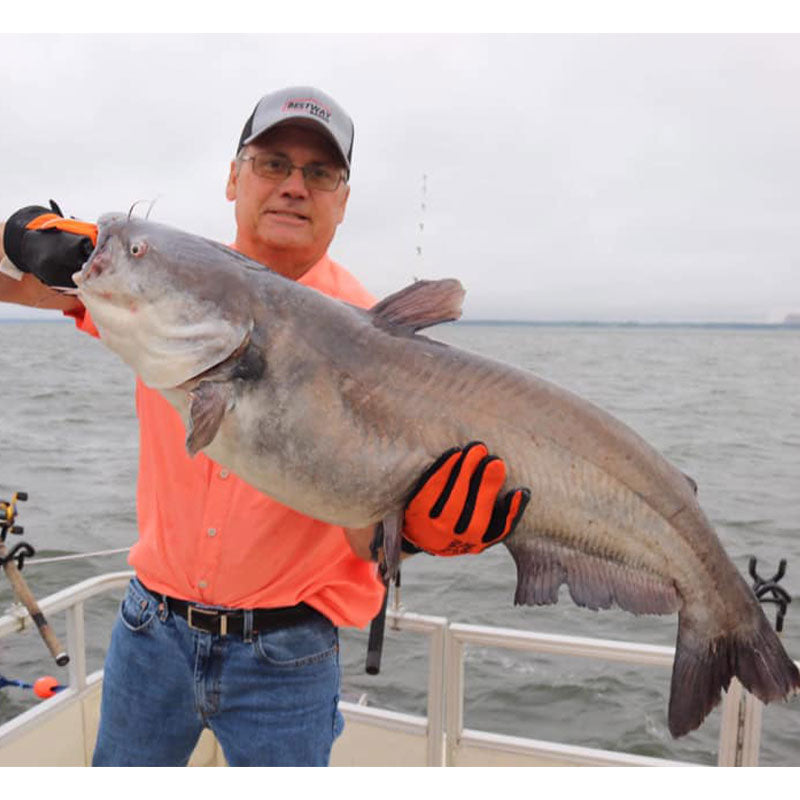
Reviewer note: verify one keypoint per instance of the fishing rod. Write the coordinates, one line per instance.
(377, 628)
(378, 625)
(12, 563)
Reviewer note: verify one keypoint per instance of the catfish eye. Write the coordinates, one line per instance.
(138, 249)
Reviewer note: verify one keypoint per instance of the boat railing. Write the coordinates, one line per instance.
(439, 738)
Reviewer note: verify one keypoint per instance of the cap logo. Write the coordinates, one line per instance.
(310, 106)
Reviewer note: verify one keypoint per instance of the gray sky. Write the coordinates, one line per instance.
(568, 176)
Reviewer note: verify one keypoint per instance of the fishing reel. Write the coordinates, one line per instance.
(18, 554)
(8, 513)
(8, 516)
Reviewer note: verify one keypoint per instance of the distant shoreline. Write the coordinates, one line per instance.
(532, 323)
(628, 324)
(46, 320)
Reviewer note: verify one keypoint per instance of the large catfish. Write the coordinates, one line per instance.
(336, 411)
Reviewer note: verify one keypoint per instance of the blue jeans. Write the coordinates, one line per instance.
(270, 702)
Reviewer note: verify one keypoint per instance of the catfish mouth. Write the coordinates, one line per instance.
(91, 286)
(100, 262)
(93, 268)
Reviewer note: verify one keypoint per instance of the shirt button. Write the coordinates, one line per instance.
(212, 531)
(202, 584)
(224, 473)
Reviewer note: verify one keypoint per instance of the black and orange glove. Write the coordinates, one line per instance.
(42, 242)
(456, 507)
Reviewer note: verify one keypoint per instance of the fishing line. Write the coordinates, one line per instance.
(75, 557)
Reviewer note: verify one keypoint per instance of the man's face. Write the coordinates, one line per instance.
(282, 222)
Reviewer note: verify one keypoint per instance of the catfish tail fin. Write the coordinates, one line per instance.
(703, 668)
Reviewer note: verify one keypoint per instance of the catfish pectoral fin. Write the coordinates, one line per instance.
(208, 402)
(594, 582)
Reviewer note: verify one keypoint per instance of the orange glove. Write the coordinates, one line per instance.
(456, 507)
(46, 244)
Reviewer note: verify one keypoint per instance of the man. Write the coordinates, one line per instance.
(231, 622)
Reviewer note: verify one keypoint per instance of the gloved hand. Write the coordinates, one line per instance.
(456, 507)
(42, 242)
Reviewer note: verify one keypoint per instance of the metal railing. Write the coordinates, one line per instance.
(444, 729)
(70, 601)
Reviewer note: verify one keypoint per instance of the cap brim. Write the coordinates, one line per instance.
(301, 122)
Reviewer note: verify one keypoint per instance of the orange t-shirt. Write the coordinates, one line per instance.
(207, 536)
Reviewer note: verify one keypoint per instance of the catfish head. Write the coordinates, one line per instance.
(171, 305)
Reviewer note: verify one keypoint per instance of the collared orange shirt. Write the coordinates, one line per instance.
(207, 536)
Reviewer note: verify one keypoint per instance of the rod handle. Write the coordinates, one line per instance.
(24, 594)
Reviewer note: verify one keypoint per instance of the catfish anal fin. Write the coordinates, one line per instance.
(594, 582)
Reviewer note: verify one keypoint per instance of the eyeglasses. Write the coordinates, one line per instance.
(324, 177)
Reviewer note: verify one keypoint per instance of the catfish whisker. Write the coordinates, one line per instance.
(152, 203)
(130, 211)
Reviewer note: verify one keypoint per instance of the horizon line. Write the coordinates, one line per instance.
(627, 322)
(541, 322)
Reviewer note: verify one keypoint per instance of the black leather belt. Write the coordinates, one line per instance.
(230, 621)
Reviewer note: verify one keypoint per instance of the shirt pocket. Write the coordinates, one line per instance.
(311, 642)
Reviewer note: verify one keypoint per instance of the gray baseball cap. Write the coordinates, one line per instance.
(306, 106)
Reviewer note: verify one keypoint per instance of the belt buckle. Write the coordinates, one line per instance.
(208, 612)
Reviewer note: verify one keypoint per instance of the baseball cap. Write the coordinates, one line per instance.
(306, 106)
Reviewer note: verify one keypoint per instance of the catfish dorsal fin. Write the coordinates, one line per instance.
(422, 304)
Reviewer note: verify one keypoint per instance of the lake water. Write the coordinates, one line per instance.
(723, 404)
